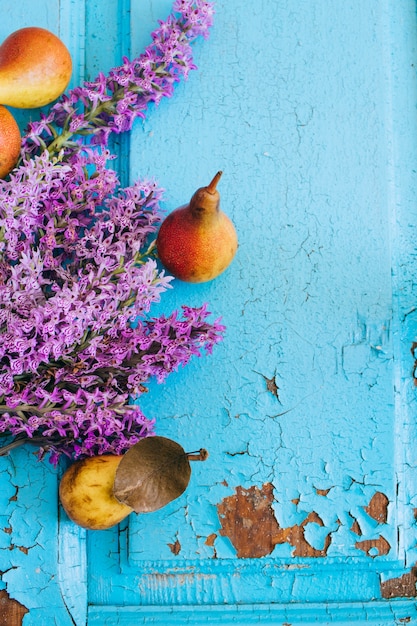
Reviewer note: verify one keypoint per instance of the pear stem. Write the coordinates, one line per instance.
(211, 188)
(201, 455)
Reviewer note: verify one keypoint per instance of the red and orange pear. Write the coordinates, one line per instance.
(35, 68)
(197, 242)
(10, 141)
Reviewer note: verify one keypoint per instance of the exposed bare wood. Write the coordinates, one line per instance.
(378, 507)
(402, 587)
(11, 611)
(248, 520)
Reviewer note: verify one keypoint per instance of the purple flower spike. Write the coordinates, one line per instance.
(110, 104)
(78, 268)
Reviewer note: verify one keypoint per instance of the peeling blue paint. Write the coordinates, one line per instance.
(311, 113)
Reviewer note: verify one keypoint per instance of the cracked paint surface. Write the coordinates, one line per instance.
(309, 406)
(29, 542)
(248, 520)
(299, 415)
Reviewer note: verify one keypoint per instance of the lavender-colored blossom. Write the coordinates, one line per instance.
(78, 268)
(110, 104)
(80, 405)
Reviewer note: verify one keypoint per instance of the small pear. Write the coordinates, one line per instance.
(35, 68)
(10, 141)
(86, 493)
(197, 242)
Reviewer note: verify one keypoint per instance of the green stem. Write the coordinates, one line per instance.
(56, 145)
(14, 444)
(22, 440)
(22, 407)
(92, 117)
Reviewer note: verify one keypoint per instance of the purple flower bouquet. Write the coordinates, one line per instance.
(78, 268)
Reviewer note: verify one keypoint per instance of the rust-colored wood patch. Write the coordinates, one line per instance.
(402, 587)
(249, 522)
(355, 528)
(11, 611)
(378, 508)
(175, 547)
(374, 547)
(210, 540)
(295, 536)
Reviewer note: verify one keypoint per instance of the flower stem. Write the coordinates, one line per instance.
(20, 408)
(16, 443)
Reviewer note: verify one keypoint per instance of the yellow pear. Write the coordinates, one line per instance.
(35, 68)
(197, 242)
(86, 493)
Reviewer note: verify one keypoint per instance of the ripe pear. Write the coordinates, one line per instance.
(197, 242)
(10, 141)
(86, 493)
(35, 68)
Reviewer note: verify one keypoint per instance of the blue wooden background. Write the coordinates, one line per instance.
(309, 108)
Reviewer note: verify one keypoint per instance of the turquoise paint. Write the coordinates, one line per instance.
(378, 614)
(309, 108)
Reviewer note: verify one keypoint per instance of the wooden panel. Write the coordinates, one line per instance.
(307, 408)
(305, 497)
(305, 511)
